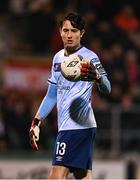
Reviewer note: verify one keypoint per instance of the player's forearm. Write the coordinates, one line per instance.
(47, 103)
(105, 86)
(46, 106)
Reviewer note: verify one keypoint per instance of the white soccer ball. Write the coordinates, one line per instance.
(70, 67)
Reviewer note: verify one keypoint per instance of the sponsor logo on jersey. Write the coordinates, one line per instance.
(62, 87)
(57, 67)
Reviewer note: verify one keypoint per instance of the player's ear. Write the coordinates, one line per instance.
(82, 32)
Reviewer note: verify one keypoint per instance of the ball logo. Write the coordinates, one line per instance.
(72, 63)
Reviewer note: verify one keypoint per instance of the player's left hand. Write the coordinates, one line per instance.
(90, 73)
(34, 136)
(34, 133)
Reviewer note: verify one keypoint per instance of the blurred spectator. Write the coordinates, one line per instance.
(17, 8)
(41, 23)
(127, 101)
(17, 118)
(129, 124)
(132, 67)
(95, 44)
(5, 35)
(3, 142)
(117, 50)
(135, 40)
(59, 7)
(106, 57)
(135, 92)
(4, 6)
(116, 94)
(91, 20)
(126, 20)
(106, 32)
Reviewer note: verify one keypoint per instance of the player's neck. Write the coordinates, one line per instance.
(69, 51)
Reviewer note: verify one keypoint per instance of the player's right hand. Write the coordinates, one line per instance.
(89, 73)
(34, 133)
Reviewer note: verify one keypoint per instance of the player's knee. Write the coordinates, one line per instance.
(58, 173)
(54, 175)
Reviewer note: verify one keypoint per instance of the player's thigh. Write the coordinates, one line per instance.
(58, 172)
(82, 174)
(74, 148)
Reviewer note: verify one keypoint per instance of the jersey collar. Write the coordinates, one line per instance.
(74, 51)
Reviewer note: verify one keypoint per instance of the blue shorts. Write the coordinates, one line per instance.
(74, 148)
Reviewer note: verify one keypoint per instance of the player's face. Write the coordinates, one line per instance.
(70, 36)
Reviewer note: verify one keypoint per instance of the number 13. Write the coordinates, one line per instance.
(61, 147)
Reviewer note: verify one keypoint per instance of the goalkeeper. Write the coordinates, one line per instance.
(74, 147)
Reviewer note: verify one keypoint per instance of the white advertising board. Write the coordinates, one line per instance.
(39, 169)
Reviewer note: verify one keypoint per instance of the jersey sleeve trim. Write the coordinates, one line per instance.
(50, 82)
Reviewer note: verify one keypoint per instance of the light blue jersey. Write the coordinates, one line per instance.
(74, 98)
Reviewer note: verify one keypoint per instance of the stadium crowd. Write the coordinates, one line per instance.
(31, 27)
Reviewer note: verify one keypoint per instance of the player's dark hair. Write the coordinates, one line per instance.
(76, 20)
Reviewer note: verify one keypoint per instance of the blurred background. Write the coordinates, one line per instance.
(29, 37)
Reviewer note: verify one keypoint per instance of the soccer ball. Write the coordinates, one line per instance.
(70, 67)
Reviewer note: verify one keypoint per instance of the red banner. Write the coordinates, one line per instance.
(26, 74)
